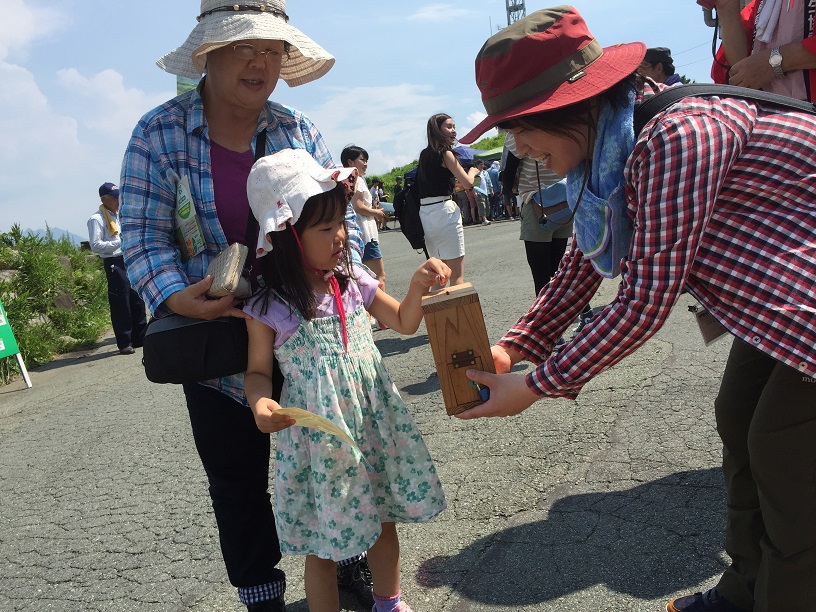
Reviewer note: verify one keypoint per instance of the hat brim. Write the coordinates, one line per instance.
(615, 64)
(305, 62)
(273, 216)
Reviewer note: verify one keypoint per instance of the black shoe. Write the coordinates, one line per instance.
(268, 605)
(707, 601)
(128, 350)
(356, 579)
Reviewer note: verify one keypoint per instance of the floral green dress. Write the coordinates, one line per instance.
(327, 502)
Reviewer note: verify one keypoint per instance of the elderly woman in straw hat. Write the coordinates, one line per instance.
(713, 197)
(200, 147)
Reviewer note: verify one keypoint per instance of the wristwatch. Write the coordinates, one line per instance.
(776, 62)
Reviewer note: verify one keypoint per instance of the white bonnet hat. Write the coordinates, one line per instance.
(279, 185)
(220, 24)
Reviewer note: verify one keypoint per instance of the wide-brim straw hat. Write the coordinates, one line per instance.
(546, 61)
(220, 24)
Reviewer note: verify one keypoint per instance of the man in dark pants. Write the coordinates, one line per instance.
(128, 315)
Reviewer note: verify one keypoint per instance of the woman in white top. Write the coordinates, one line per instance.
(440, 215)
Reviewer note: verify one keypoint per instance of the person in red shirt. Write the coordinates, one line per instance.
(714, 197)
(768, 45)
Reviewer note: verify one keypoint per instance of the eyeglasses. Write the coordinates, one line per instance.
(247, 52)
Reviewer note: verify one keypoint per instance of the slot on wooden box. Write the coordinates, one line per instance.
(458, 337)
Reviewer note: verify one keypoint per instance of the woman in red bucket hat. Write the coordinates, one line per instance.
(713, 197)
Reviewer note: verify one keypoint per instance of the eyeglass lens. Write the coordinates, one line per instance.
(247, 51)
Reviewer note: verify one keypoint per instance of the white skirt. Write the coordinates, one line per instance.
(444, 234)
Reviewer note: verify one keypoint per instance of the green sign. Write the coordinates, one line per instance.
(8, 344)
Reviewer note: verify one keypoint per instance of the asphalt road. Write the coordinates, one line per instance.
(610, 502)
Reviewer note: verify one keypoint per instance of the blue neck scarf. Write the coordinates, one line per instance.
(603, 228)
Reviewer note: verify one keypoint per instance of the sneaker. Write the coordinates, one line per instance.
(356, 579)
(708, 601)
(128, 350)
(485, 222)
(268, 605)
(404, 607)
(586, 317)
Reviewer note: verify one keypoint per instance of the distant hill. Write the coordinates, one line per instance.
(58, 233)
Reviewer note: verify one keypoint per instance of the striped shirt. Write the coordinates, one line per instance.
(170, 142)
(721, 193)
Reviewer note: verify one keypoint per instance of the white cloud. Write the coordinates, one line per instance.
(51, 162)
(21, 24)
(389, 122)
(438, 13)
(39, 141)
(113, 109)
(473, 119)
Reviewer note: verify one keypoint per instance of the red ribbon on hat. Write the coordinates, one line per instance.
(329, 276)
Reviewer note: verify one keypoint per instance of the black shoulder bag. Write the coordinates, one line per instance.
(180, 350)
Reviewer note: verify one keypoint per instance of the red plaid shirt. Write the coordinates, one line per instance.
(721, 193)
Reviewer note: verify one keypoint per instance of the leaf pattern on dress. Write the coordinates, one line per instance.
(326, 502)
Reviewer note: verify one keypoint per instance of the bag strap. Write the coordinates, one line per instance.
(251, 236)
(415, 187)
(661, 101)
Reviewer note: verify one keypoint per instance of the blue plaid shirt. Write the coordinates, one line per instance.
(170, 142)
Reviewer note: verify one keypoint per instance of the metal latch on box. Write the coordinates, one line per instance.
(463, 359)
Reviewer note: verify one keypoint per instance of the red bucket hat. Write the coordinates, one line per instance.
(545, 61)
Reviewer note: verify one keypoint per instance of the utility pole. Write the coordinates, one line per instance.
(515, 10)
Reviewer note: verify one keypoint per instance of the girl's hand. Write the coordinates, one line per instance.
(502, 359)
(509, 395)
(432, 272)
(404, 317)
(266, 419)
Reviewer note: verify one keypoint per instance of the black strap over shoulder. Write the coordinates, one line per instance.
(251, 236)
(661, 101)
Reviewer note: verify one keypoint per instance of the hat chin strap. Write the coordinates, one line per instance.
(335, 286)
(234, 8)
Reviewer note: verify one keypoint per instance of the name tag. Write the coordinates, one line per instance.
(710, 328)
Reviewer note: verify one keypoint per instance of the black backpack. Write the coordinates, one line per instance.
(406, 209)
(661, 101)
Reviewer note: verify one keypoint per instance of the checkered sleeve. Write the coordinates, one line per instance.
(535, 334)
(673, 179)
(147, 214)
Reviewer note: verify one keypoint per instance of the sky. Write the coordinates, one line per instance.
(76, 76)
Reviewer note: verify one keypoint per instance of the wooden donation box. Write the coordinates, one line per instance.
(458, 337)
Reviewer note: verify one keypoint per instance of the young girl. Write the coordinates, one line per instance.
(368, 216)
(312, 317)
(440, 215)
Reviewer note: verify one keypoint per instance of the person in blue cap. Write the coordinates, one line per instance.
(128, 313)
